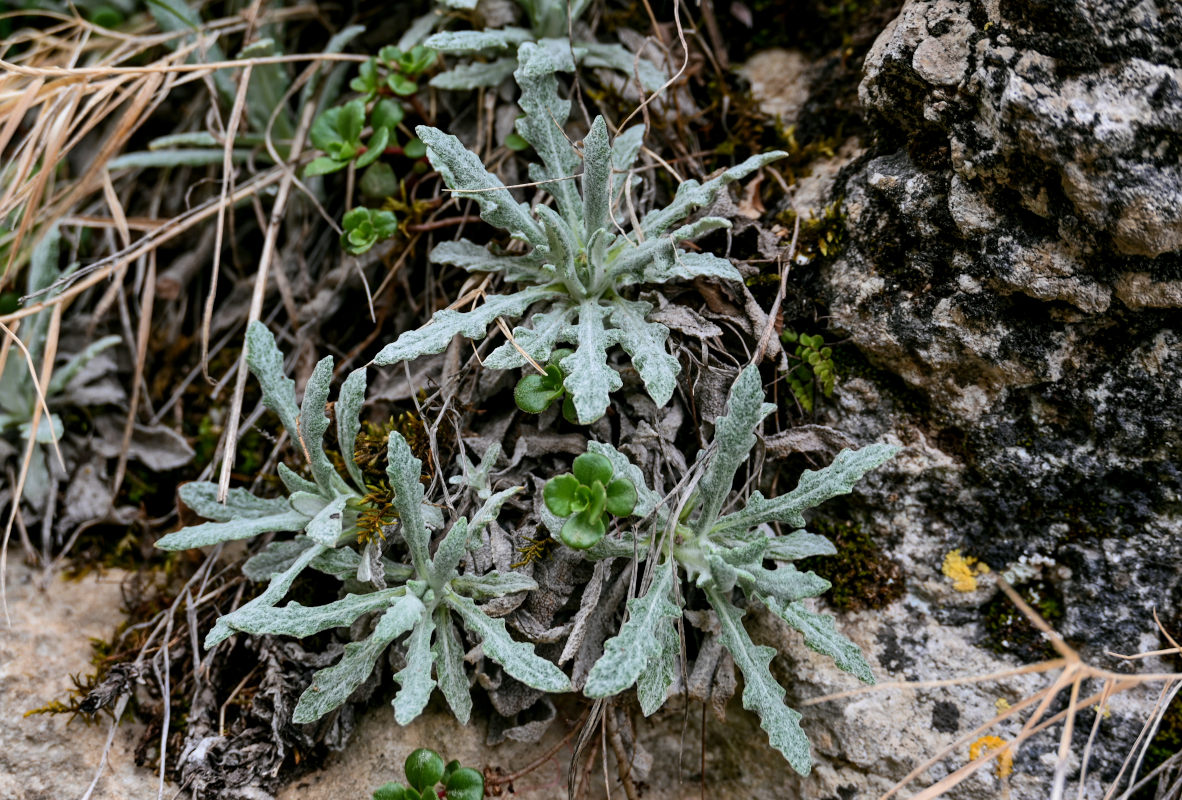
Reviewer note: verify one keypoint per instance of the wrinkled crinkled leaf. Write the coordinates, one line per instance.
(325, 528)
(490, 509)
(209, 533)
(799, 544)
(814, 488)
(589, 379)
(449, 554)
(785, 583)
(820, 634)
(687, 266)
(646, 342)
(298, 620)
(446, 324)
(274, 558)
(449, 667)
(597, 178)
(262, 606)
(201, 497)
(734, 436)
(474, 41)
(313, 423)
(475, 257)
(293, 482)
(640, 639)
(538, 340)
(761, 693)
(466, 77)
(331, 687)
(652, 687)
(493, 584)
(615, 56)
(460, 168)
(403, 471)
(266, 364)
(348, 413)
(415, 678)
(517, 659)
(692, 195)
(542, 125)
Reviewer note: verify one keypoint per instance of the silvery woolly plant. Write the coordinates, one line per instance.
(550, 22)
(722, 553)
(585, 253)
(420, 598)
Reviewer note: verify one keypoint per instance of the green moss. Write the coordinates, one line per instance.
(863, 576)
(1009, 631)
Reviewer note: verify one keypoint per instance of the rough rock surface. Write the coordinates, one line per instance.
(43, 756)
(1012, 277)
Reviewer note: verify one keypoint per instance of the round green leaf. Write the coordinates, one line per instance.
(464, 783)
(390, 791)
(415, 148)
(424, 768)
(559, 493)
(401, 85)
(387, 114)
(621, 497)
(515, 142)
(379, 180)
(582, 531)
(591, 467)
(533, 394)
(374, 147)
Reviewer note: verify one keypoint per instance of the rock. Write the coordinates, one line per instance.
(779, 83)
(45, 755)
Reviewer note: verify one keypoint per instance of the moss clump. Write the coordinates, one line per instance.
(1007, 630)
(863, 577)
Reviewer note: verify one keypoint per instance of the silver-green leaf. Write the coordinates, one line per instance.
(626, 654)
(517, 659)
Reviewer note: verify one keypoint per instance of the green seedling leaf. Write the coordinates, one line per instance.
(424, 768)
(464, 783)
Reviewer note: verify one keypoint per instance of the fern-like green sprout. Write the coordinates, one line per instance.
(815, 371)
(585, 255)
(430, 589)
(724, 553)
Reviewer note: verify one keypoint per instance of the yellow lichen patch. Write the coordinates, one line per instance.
(963, 571)
(987, 744)
(1002, 705)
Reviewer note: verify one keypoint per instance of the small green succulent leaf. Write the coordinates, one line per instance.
(423, 768)
(403, 471)
(390, 791)
(331, 687)
(820, 634)
(464, 783)
(387, 114)
(761, 693)
(401, 85)
(589, 379)
(692, 195)
(640, 639)
(646, 342)
(621, 497)
(446, 324)
(734, 436)
(209, 533)
(584, 529)
(366, 82)
(323, 165)
(365, 227)
(374, 148)
(265, 361)
(652, 686)
(461, 169)
(646, 498)
(534, 393)
(261, 607)
(814, 488)
(559, 494)
(449, 667)
(592, 467)
(517, 659)
(415, 678)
